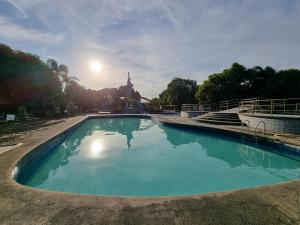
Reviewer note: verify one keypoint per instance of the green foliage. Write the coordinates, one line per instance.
(25, 79)
(178, 92)
(240, 82)
(52, 64)
(155, 102)
(42, 88)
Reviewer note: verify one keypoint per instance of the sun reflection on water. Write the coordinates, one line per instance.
(96, 148)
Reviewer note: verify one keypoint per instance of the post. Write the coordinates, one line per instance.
(284, 105)
(272, 105)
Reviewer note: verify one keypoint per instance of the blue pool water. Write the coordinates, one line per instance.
(137, 157)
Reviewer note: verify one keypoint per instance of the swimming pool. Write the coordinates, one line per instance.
(133, 156)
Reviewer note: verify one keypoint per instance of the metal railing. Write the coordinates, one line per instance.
(263, 129)
(271, 106)
(189, 107)
(168, 108)
(195, 107)
(229, 104)
(247, 123)
(234, 103)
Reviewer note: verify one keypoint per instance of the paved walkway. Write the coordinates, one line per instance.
(7, 148)
(12, 135)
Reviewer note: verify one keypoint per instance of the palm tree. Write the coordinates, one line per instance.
(62, 72)
(52, 64)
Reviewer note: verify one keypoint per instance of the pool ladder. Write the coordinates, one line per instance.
(247, 136)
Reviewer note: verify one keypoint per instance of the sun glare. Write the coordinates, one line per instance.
(96, 66)
(96, 148)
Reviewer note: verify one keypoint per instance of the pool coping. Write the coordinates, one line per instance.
(13, 192)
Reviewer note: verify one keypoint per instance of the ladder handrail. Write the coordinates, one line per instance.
(264, 128)
(244, 124)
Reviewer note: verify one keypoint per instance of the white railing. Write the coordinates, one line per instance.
(271, 106)
(189, 107)
(229, 104)
(234, 103)
(263, 128)
(168, 108)
(245, 124)
(195, 107)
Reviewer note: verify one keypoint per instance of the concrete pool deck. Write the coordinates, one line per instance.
(269, 205)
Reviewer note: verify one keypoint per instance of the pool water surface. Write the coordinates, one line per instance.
(138, 157)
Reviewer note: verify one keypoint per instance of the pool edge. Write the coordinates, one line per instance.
(14, 169)
(17, 191)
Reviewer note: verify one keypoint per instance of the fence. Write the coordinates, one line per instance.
(195, 107)
(271, 106)
(168, 108)
(229, 104)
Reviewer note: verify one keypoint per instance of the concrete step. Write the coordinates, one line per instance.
(220, 113)
(219, 122)
(221, 117)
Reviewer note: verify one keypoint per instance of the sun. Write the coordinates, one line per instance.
(96, 66)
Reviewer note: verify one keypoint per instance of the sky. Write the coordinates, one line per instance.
(154, 40)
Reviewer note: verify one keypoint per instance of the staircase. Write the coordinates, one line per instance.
(220, 118)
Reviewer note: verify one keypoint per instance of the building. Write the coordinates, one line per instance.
(131, 99)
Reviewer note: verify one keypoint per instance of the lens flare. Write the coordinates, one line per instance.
(96, 66)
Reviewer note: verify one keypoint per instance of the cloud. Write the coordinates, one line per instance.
(17, 6)
(160, 39)
(12, 31)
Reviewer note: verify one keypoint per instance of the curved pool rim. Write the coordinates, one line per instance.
(20, 160)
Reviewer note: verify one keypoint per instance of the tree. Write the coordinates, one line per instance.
(62, 72)
(179, 91)
(43, 87)
(155, 102)
(241, 82)
(25, 80)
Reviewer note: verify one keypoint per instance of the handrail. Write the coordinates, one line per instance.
(231, 100)
(171, 108)
(195, 107)
(271, 106)
(244, 124)
(264, 128)
(264, 105)
(232, 103)
(228, 104)
(189, 104)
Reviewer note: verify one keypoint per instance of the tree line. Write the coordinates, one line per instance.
(46, 89)
(233, 83)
